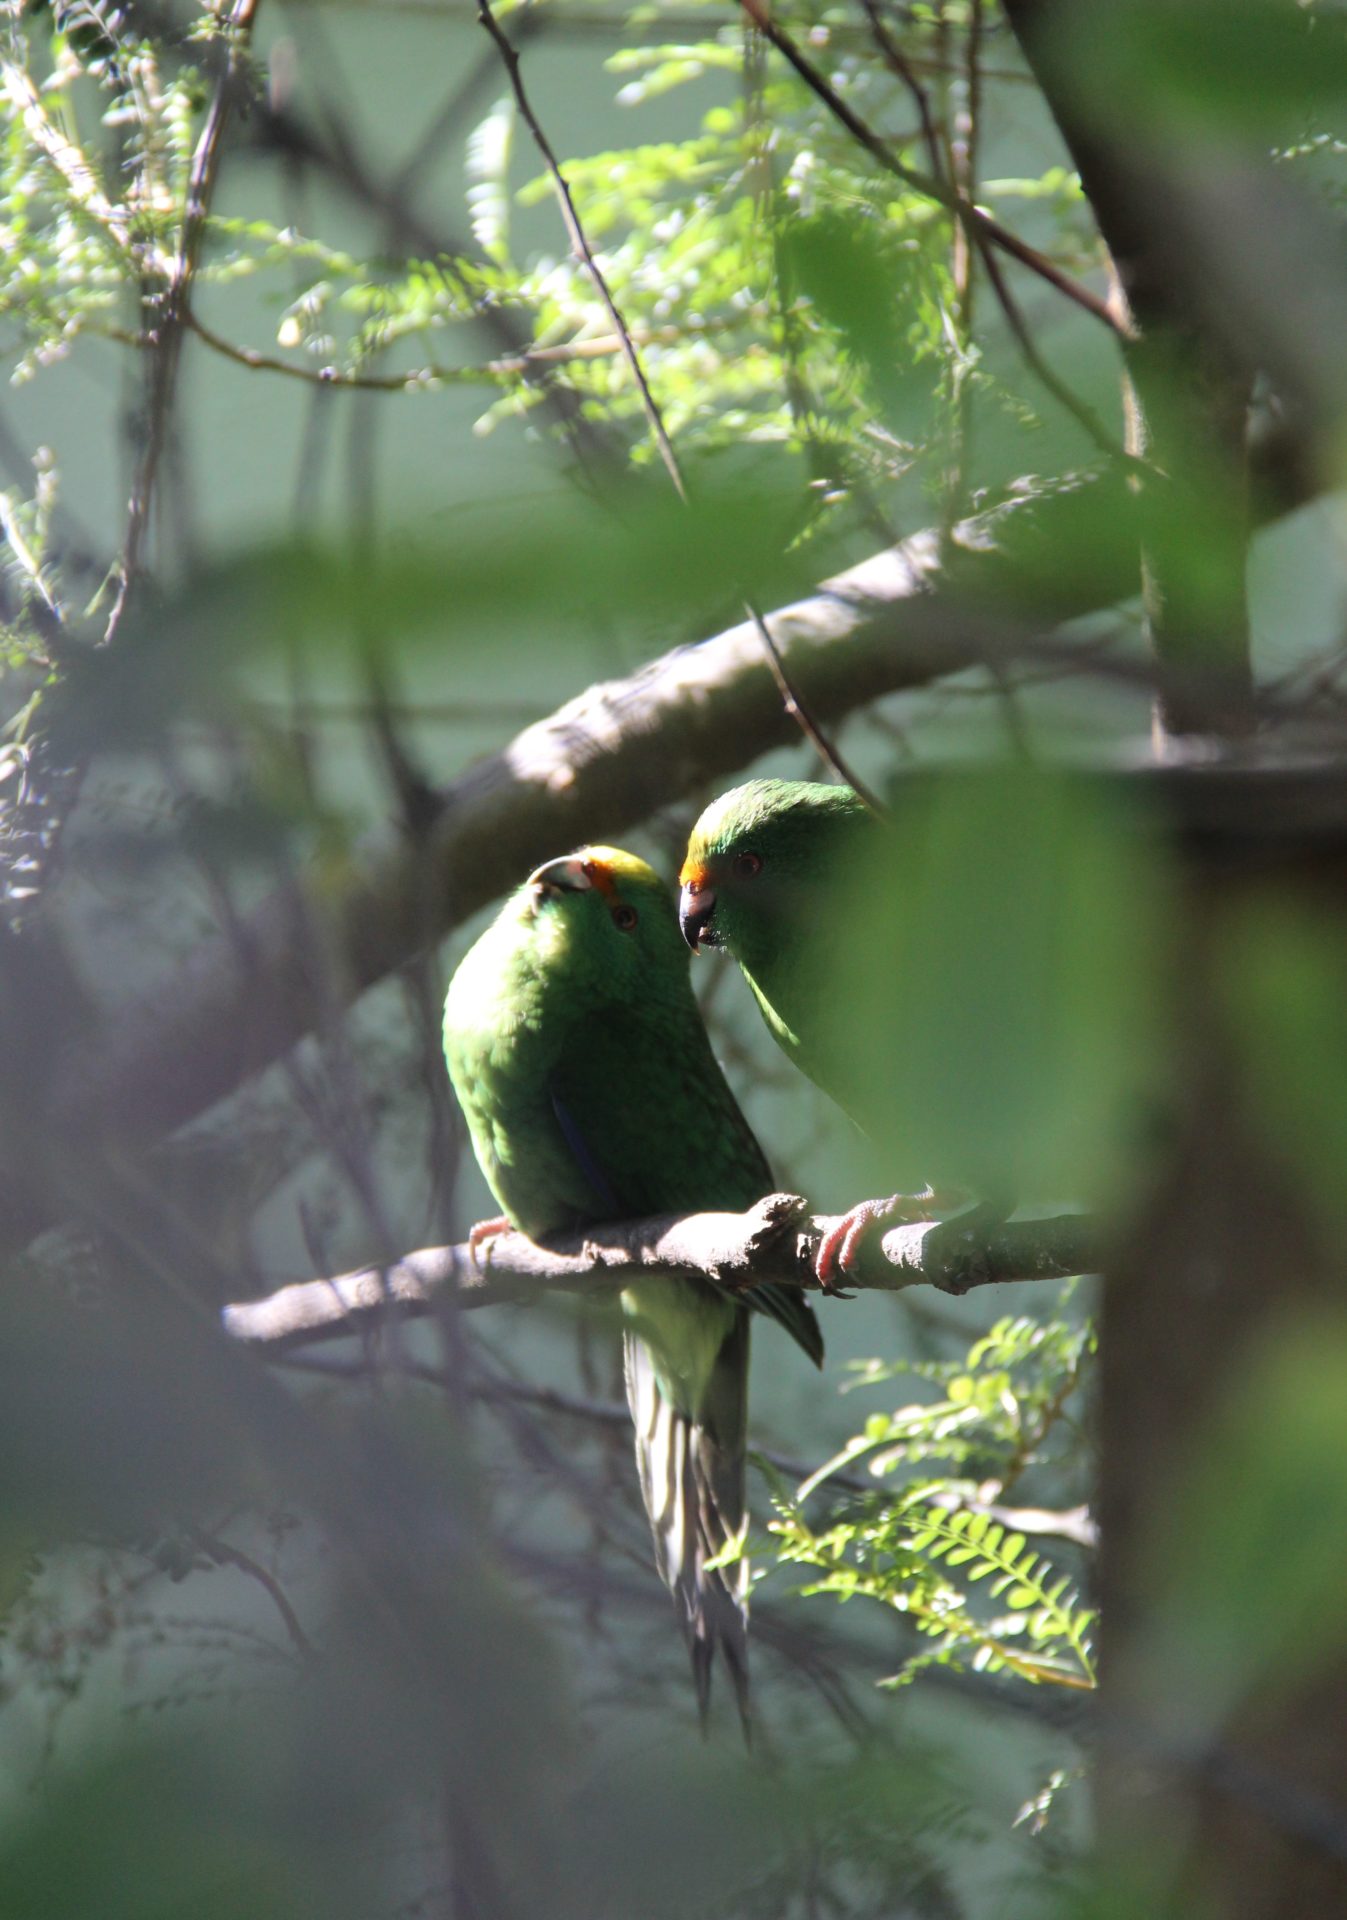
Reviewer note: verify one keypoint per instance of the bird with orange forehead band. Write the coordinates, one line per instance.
(591, 1093)
(767, 876)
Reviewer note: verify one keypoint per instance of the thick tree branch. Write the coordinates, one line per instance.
(601, 763)
(775, 1240)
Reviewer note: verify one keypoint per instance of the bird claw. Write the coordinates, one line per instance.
(840, 1248)
(486, 1230)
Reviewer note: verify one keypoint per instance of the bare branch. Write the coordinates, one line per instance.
(924, 183)
(774, 1241)
(503, 372)
(822, 743)
(584, 252)
(1076, 1524)
(284, 131)
(899, 63)
(602, 762)
(224, 1555)
(173, 301)
(795, 706)
(971, 228)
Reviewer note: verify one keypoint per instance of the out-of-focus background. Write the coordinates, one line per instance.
(344, 570)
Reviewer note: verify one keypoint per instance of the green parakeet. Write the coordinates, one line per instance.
(763, 869)
(766, 876)
(578, 1055)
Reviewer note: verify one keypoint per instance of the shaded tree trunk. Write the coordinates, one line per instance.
(1187, 391)
(1242, 1813)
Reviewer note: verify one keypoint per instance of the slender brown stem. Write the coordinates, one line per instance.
(489, 372)
(977, 232)
(899, 64)
(583, 250)
(967, 169)
(1085, 416)
(808, 725)
(225, 1555)
(172, 323)
(924, 183)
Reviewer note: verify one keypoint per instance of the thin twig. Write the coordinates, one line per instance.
(973, 225)
(283, 131)
(483, 373)
(1084, 415)
(805, 720)
(926, 184)
(899, 63)
(1071, 1523)
(966, 158)
(225, 1555)
(1029, 1443)
(173, 304)
(585, 253)
(583, 250)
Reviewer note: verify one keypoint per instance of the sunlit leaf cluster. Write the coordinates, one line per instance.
(97, 143)
(927, 1545)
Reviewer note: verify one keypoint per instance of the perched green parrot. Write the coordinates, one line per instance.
(766, 876)
(579, 1058)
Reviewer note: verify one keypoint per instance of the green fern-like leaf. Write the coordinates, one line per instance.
(1045, 1608)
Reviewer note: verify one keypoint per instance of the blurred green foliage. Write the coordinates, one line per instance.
(1285, 977)
(998, 987)
(373, 1645)
(1243, 68)
(1262, 1572)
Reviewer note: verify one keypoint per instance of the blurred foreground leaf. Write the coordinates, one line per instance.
(996, 987)
(1285, 978)
(1251, 1558)
(513, 579)
(1244, 67)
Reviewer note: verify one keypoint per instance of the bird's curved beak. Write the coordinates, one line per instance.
(561, 876)
(696, 914)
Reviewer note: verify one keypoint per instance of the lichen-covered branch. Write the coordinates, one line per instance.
(775, 1240)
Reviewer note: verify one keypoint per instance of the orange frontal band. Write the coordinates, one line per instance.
(602, 878)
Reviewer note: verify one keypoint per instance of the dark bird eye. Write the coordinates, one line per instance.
(624, 917)
(747, 864)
